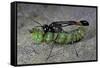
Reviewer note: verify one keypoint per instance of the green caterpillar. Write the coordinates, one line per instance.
(54, 33)
(39, 36)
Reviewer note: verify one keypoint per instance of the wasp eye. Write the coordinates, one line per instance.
(84, 23)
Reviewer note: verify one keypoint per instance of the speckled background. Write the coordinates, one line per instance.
(30, 53)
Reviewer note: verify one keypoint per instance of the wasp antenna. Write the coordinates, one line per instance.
(76, 51)
(37, 22)
(38, 26)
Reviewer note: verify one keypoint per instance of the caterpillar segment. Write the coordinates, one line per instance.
(48, 37)
(37, 35)
(61, 38)
(78, 34)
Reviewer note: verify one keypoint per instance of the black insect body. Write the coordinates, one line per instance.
(57, 26)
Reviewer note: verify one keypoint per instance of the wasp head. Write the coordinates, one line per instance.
(45, 28)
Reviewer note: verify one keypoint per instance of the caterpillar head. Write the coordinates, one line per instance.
(84, 23)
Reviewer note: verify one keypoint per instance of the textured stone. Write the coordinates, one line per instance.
(30, 53)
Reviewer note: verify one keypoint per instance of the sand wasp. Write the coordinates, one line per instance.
(55, 33)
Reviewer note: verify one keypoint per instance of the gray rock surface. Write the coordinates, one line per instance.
(30, 53)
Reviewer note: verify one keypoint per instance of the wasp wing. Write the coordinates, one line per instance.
(63, 23)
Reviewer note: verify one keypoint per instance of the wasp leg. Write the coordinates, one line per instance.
(75, 49)
(50, 53)
(76, 52)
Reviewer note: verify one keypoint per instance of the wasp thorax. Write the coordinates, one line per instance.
(45, 28)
